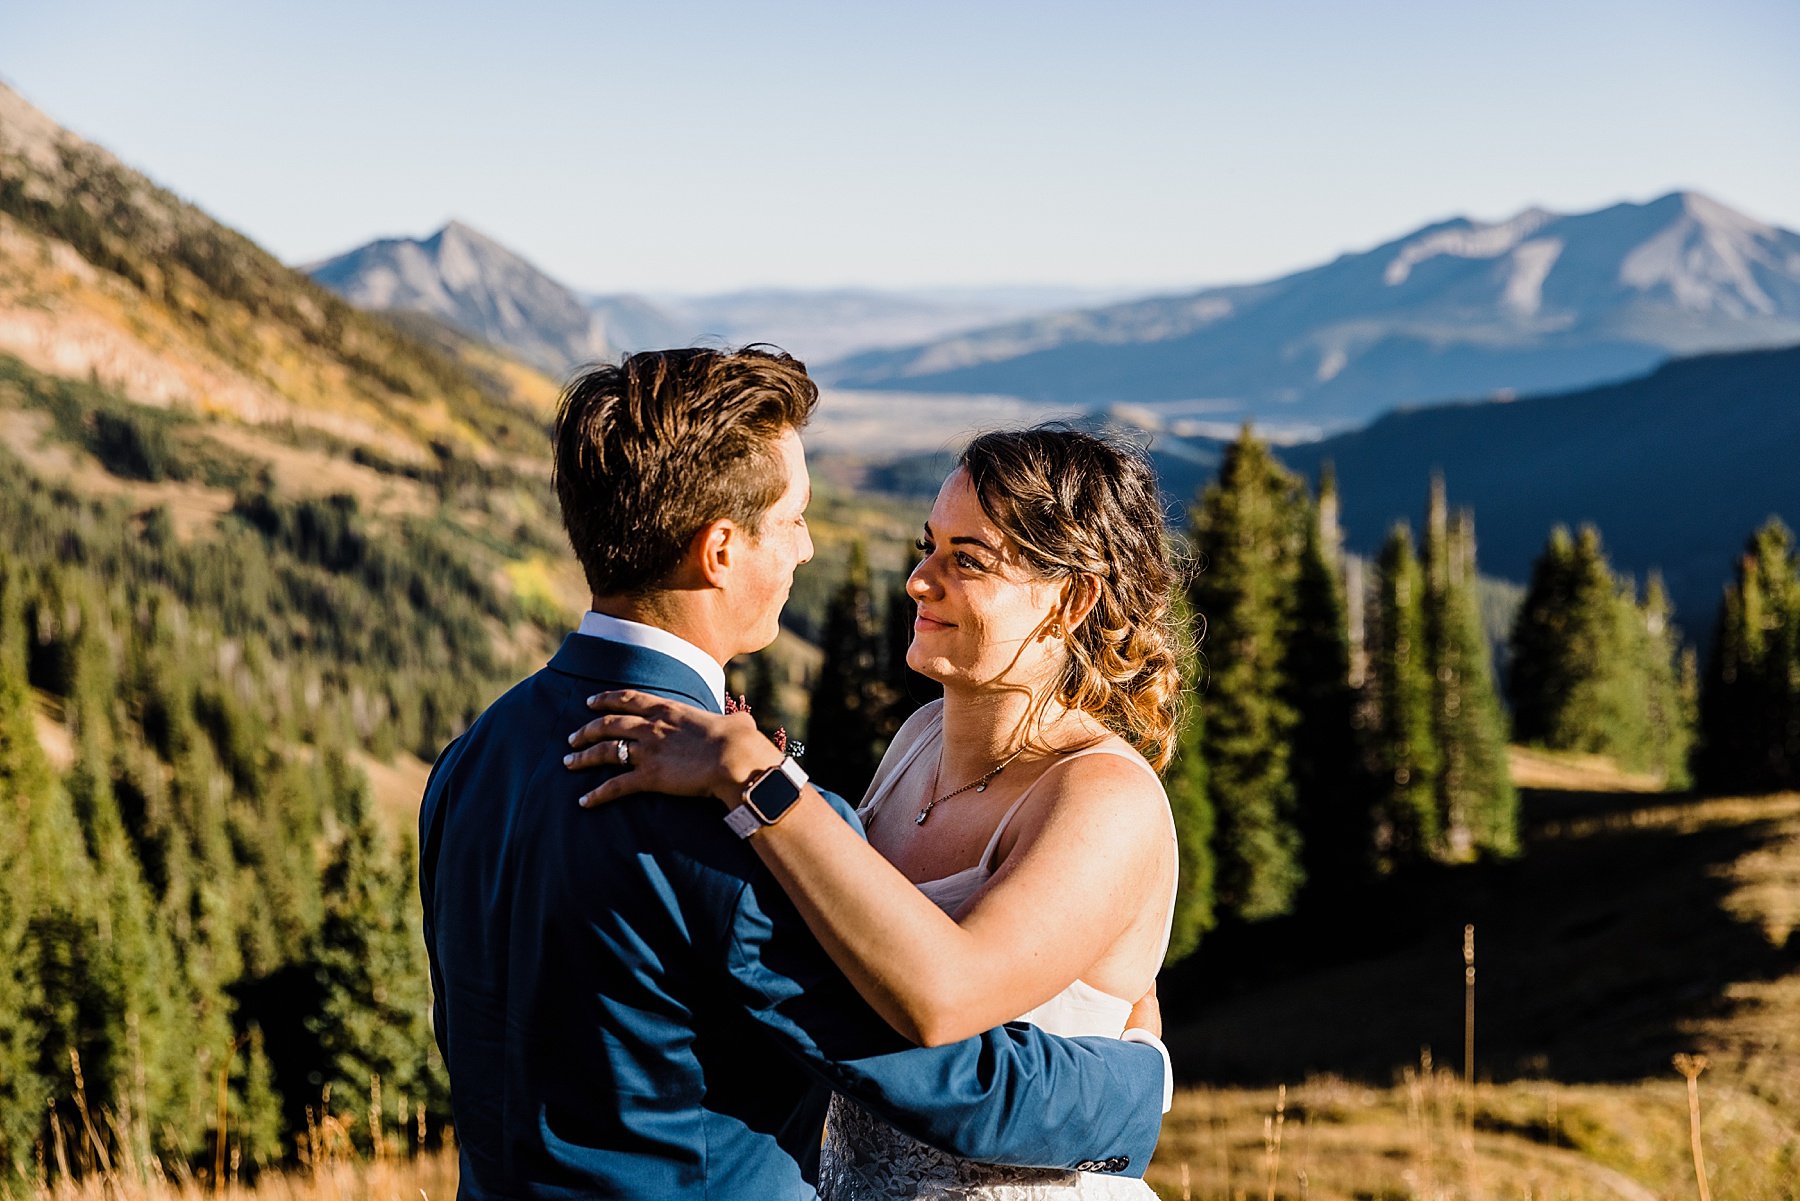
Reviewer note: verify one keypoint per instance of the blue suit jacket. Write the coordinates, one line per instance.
(631, 1007)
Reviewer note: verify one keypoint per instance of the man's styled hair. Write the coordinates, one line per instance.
(653, 449)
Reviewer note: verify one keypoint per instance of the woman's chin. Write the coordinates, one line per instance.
(932, 667)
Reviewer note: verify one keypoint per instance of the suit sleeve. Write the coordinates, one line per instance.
(1013, 1095)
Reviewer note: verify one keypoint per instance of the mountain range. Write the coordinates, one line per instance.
(1676, 469)
(472, 284)
(1458, 309)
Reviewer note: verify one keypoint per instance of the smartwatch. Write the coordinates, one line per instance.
(767, 797)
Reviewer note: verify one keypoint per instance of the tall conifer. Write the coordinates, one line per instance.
(1332, 794)
(1404, 751)
(1185, 782)
(1750, 700)
(1249, 532)
(1477, 806)
(847, 699)
(1669, 717)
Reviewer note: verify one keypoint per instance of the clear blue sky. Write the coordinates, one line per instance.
(702, 146)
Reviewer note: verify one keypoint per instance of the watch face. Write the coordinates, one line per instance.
(774, 794)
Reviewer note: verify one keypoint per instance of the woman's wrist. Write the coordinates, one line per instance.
(744, 757)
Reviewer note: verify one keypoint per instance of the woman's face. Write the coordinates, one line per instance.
(982, 613)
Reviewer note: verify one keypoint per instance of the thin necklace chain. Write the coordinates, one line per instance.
(978, 785)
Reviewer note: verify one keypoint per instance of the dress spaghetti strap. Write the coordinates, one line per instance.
(987, 856)
(878, 792)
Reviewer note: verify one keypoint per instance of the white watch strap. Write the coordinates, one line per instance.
(743, 821)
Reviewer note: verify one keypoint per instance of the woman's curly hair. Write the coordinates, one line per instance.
(1081, 505)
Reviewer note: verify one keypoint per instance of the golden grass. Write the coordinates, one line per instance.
(429, 1177)
(1531, 1139)
(1532, 767)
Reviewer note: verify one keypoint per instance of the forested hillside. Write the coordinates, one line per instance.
(255, 548)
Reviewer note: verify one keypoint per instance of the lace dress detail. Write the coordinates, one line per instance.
(865, 1159)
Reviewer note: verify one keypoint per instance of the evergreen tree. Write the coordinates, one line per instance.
(1185, 782)
(25, 785)
(1477, 806)
(1669, 715)
(1538, 682)
(1250, 531)
(373, 1017)
(847, 698)
(1403, 753)
(1750, 701)
(1331, 793)
(1594, 670)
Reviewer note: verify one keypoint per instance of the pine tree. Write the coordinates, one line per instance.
(1538, 683)
(1477, 805)
(1668, 711)
(1185, 782)
(1250, 531)
(1594, 670)
(372, 1022)
(1750, 700)
(25, 784)
(1403, 753)
(1603, 711)
(1331, 793)
(847, 697)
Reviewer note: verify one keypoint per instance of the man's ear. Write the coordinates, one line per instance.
(713, 549)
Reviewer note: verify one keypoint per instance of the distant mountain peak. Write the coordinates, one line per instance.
(469, 280)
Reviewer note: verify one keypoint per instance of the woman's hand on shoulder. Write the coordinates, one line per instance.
(667, 747)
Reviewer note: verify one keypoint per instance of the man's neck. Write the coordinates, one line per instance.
(667, 611)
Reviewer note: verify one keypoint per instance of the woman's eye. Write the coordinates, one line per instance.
(969, 561)
(924, 547)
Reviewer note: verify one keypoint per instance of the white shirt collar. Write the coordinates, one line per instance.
(651, 638)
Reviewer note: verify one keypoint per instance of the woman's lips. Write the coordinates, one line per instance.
(924, 624)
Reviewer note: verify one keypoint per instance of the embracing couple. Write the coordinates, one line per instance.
(710, 978)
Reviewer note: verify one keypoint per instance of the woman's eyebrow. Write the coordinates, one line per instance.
(964, 540)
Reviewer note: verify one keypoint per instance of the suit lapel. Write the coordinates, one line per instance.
(619, 665)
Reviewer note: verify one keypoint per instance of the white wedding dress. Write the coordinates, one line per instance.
(865, 1159)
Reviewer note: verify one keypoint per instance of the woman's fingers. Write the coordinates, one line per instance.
(621, 785)
(598, 738)
(629, 700)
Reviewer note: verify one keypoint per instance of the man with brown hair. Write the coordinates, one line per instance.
(628, 1003)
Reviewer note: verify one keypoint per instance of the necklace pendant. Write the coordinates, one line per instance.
(923, 814)
(982, 787)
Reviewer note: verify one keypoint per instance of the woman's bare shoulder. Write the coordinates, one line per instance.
(1106, 797)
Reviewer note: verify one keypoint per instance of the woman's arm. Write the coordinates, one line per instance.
(1088, 849)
